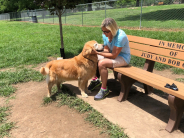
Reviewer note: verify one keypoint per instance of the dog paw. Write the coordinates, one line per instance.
(84, 95)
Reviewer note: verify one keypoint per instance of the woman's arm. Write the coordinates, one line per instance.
(106, 49)
(113, 55)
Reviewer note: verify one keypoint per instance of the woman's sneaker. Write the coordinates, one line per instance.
(94, 84)
(101, 94)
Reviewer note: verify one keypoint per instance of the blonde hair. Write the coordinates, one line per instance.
(111, 25)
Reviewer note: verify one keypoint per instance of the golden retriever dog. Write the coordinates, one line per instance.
(81, 68)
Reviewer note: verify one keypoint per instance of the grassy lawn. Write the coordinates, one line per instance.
(163, 16)
(30, 44)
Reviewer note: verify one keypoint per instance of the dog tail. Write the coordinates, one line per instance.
(44, 70)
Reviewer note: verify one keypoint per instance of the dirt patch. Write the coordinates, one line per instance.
(126, 27)
(33, 120)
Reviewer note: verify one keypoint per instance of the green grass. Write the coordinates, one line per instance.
(7, 78)
(163, 16)
(180, 79)
(5, 126)
(178, 71)
(30, 43)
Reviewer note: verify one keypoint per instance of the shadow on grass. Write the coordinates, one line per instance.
(71, 55)
(160, 15)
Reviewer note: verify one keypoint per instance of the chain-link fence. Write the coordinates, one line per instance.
(127, 13)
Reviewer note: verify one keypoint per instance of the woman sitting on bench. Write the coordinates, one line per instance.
(116, 53)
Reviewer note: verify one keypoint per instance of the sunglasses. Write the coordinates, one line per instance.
(105, 32)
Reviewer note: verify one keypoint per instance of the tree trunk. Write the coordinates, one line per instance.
(61, 35)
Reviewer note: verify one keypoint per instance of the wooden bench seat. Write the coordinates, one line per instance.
(152, 50)
(152, 79)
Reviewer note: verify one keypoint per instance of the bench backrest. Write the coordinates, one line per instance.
(165, 52)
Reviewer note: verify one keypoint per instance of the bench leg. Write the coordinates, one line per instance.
(126, 84)
(115, 75)
(177, 107)
(148, 89)
(148, 66)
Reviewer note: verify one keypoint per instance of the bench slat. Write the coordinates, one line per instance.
(157, 58)
(157, 50)
(152, 79)
(155, 42)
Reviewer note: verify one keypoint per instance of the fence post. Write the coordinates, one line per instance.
(43, 15)
(140, 15)
(82, 16)
(105, 9)
(65, 16)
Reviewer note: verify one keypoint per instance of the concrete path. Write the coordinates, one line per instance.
(141, 116)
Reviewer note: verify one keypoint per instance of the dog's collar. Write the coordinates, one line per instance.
(89, 59)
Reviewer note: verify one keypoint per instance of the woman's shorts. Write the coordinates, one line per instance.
(117, 62)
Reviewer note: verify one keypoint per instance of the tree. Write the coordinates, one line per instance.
(16, 5)
(58, 7)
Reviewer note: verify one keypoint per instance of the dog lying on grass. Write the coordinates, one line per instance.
(81, 68)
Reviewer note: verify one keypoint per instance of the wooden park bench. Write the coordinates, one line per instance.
(165, 52)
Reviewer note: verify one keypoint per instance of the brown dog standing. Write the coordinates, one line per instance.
(81, 68)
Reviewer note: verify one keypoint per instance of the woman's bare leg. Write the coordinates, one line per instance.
(103, 65)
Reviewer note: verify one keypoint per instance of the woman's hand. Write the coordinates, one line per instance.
(94, 52)
(113, 55)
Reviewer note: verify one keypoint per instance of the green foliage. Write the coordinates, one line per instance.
(178, 71)
(180, 79)
(160, 66)
(16, 5)
(125, 3)
(47, 100)
(7, 78)
(58, 6)
(136, 61)
(3, 114)
(5, 126)
(166, 2)
(67, 97)
(98, 120)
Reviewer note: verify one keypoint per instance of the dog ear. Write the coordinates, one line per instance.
(86, 52)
